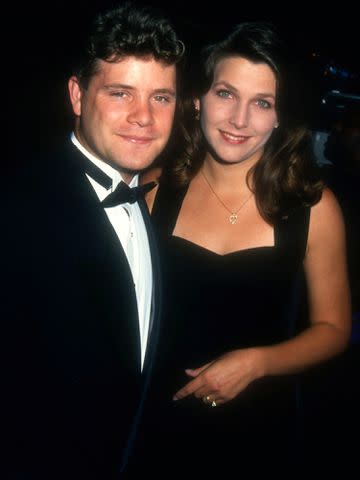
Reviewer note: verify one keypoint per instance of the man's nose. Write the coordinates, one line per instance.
(141, 113)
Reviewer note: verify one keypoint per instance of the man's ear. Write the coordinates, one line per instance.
(75, 94)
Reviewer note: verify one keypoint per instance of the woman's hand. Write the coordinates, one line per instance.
(223, 379)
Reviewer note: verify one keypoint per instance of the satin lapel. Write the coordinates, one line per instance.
(156, 302)
(102, 249)
(153, 333)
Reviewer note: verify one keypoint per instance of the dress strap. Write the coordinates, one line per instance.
(166, 207)
(291, 236)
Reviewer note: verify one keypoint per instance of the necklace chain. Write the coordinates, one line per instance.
(233, 214)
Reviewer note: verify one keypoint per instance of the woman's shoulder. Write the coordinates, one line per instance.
(327, 208)
(326, 220)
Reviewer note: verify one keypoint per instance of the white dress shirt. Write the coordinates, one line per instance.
(129, 226)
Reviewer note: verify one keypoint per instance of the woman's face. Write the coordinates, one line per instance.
(238, 112)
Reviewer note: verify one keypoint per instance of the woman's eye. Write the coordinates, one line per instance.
(263, 103)
(223, 94)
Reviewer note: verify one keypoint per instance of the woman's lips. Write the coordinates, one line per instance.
(234, 139)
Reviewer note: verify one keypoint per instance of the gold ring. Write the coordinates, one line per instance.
(206, 400)
(213, 403)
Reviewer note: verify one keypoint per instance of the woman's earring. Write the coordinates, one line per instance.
(197, 114)
(276, 126)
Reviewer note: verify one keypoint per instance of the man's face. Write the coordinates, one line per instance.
(125, 115)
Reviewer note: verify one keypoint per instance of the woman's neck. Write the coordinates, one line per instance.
(226, 176)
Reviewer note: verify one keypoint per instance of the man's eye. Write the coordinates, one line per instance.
(118, 94)
(162, 98)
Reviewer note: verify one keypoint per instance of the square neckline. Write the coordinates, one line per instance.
(233, 252)
(179, 203)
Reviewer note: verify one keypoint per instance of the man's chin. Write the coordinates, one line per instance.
(131, 168)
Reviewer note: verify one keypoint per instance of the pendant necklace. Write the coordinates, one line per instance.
(233, 214)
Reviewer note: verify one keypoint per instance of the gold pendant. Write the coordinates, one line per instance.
(233, 218)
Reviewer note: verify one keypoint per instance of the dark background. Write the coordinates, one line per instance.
(38, 47)
(41, 40)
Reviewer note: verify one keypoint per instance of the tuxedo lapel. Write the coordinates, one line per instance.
(154, 330)
(156, 302)
(102, 254)
(106, 246)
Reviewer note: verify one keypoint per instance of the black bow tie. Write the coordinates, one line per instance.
(122, 193)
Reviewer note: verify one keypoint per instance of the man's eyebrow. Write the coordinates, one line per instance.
(168, 91)
(119, 85)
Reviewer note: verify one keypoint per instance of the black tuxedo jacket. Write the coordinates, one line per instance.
(74, 386)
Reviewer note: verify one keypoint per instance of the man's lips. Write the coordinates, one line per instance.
(234, 139)
(136, 139)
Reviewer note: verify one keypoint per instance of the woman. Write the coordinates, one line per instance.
(240, 221)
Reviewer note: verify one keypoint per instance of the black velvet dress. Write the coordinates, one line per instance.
(213, 304)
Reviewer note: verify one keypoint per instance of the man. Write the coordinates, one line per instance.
(82, 304)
